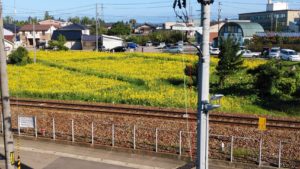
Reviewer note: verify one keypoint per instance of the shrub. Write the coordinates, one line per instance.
(59, 43)
(274, 79)
(19, 57)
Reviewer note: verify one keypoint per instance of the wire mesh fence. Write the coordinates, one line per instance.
(162, 140)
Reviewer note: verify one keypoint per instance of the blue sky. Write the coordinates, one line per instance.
(143, 11)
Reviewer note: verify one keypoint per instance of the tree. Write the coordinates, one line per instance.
(48, 16)
(75, 19)
(19, 57)
(119, 28)
(230, 61)
(132, 23)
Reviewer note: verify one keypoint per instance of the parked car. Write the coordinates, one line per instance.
(173, 49)
(248, 53)
(274, 52)
(214, 51)
(288, 54)
(149, 43)
(132, 45)
(100, 49)
(118, 49)
(180, 43)
(161, 45)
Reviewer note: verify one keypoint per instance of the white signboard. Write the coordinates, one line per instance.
(26, 122)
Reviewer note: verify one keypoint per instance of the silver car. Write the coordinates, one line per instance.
(274, 53)
(173, 49)
(288, 54)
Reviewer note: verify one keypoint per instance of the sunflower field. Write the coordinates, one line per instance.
(148, 79)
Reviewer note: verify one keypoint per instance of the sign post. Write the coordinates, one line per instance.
(262, 124)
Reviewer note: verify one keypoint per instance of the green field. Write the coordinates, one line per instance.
(134, 78)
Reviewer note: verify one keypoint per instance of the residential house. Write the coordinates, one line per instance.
(11, 32)
(41, 34)
(55, 23)
(73, 34)
(144, 29)
(108, 42)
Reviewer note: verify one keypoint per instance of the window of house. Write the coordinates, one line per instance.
(43, 33)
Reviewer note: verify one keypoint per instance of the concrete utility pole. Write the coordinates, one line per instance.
(203, 89)
(15, 26)
(34, 42)
(6, 114)
(219, 15)
(97, 39)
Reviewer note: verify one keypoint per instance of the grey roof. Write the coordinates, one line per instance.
(90, 38)
(70, 35)
(249, 28)
(73, 27)
(11, 27)
(280, 34)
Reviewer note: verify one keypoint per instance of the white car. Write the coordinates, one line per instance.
(274, 52)
(288, 54)
(248, 53)
(149, 43)
(214, 51)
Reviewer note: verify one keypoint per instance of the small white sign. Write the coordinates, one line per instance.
(26, 122)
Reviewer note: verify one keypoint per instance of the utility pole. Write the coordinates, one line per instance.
(34, 42)
(203, 89)
(219, 15)
(97, 39)
(6, 114)
(15, 30)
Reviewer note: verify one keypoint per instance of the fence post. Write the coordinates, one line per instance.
(53, 129)
(73, 139)
(19, 130)
(35, 126)
(231, 149)
(113, 135)
(180, 142)
(260, 152)
(279, 154)
(92, 133)
(156, 140)
(134, 144)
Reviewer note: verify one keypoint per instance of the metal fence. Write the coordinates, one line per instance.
(180, 142)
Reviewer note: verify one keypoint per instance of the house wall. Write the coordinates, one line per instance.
(40, 36)
(88, 45)
(8, 47)
(74, 45)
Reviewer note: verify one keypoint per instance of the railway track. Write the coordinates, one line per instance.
(178, 114)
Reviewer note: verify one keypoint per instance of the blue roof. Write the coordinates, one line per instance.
(70, 35)
(74, 26)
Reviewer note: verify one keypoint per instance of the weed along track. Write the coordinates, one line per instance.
(178, 114)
